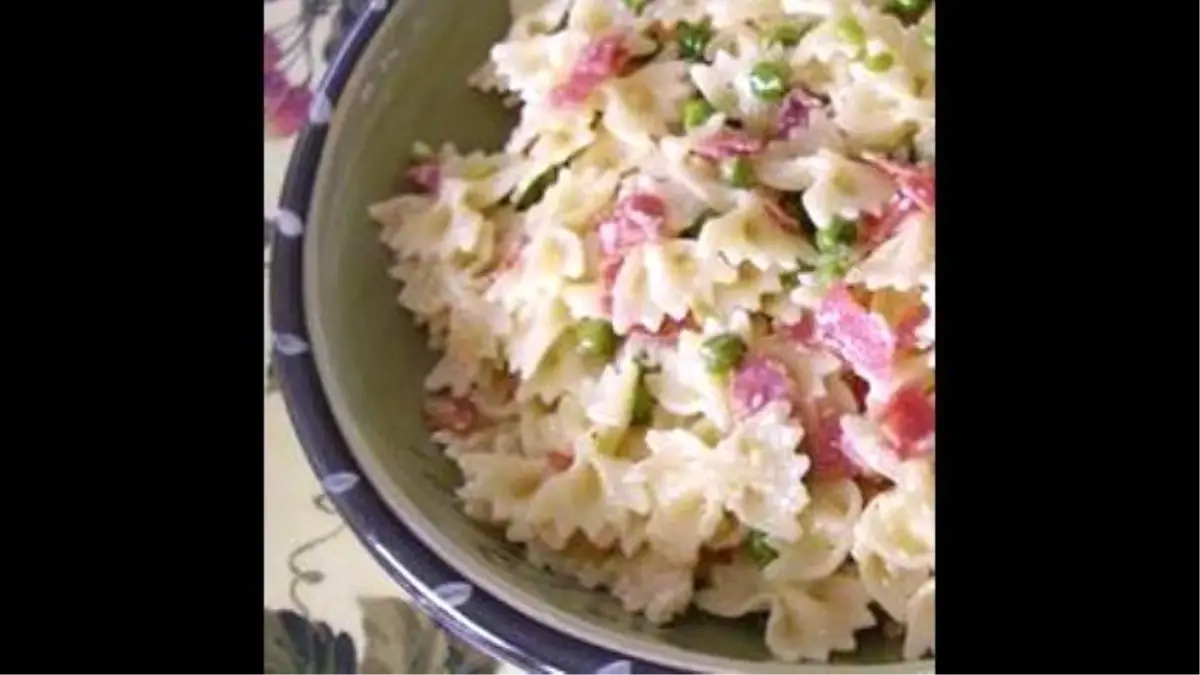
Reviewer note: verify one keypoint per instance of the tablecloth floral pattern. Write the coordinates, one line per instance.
(327, 606)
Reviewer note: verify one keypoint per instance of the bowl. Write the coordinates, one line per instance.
(351, 364)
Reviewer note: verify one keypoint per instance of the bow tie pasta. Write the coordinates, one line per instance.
(686, 313)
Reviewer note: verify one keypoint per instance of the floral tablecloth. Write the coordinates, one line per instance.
(327, 606)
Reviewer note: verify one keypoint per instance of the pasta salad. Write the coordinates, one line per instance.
(686, 314)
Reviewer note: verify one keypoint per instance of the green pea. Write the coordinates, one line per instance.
(696, 112)
(722, 353)
(692, 39)
(880, 62)
(595, 337)
(851, 31)
(693, 230)
(643, 403)
(738, 172)
(758, 549)
(786, 35)
(769, 80)
(636, 6)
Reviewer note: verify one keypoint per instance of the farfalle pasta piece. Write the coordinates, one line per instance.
(535, 335)
(685, 387)
(654, 586)
(637, 108)
(608, 402)
(918, 638)
(499, 487)
(748, 234)
(558, 373)
(684, 483)
(787, 164)
(762, 472)
(827, 534)
(657, 282)
(900, 262)
(887, 584)
(574, 200)
(531, 67)
(590, 565)
(591, 497)
(898, 525)
(844, 188)
(805, 620)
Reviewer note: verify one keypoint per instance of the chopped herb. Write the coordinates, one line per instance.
(533, 193)
(643, 402)
(833, 264)
(722, 353)
(693, 39)
(840, 232)
(758, 549)
(693, 230)
(787, 35)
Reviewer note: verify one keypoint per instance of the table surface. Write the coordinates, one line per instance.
(320, 587)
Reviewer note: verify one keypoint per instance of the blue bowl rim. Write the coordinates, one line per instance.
(437, 588)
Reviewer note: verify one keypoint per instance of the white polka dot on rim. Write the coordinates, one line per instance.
(377, 5)
(621, 667)
(338, 483)
(454, 593)
(288, 223)
(320, 110)
(290, 345)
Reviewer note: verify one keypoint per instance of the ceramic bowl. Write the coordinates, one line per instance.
(351, 364)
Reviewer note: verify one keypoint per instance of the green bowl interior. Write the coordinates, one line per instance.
(408, 86)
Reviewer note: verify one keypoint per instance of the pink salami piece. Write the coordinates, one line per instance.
(511, 249)
(794, 111)
(668, 330)
(906, 328)
(559, 460)
(727, 143)
(609, 268)
(803, 332)
(913, 182)
(862, 339)
(427, 176)
(600, 60)
(635, 219)
(760, 380)
(823, 442)
(876, 229)
(452, 413)
(908, 422)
